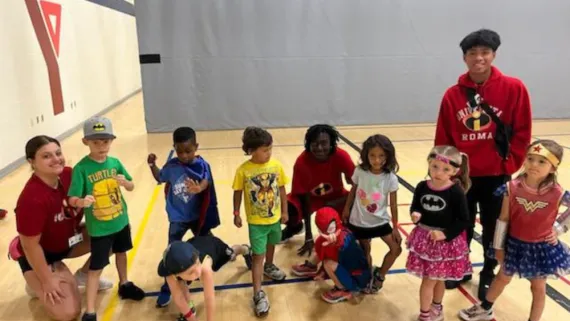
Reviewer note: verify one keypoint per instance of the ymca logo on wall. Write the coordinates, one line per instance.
(46, 19)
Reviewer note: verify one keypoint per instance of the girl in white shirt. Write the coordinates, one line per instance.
(366, 212)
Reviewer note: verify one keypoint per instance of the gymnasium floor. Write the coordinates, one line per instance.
(295, 299)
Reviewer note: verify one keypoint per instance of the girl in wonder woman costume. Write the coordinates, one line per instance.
(526, 236)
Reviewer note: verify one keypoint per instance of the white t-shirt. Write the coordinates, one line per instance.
(371, 199)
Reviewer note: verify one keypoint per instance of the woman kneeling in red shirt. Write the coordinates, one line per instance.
(49, 232)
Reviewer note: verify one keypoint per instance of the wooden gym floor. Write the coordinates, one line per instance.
(295, 299)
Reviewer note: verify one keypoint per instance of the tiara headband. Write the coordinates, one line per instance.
(443, 159)
(540, 150)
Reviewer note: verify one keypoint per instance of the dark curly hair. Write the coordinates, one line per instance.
(255, 137)
(383, 142)
(314, 131)
(482, 37)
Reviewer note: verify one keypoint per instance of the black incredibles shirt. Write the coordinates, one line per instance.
(446, 209)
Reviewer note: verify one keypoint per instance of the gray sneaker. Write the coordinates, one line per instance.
(273, 272)
(261, 304)
(476, 313)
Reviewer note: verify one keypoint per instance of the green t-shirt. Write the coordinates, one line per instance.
(108, 214)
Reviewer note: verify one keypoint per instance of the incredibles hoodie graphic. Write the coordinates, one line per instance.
(472, 131)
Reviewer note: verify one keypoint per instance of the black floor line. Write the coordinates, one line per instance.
(552, 293)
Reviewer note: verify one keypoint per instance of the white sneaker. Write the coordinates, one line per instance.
(476, 313)
(81, 279)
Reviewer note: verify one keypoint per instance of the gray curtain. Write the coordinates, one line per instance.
(229, 64)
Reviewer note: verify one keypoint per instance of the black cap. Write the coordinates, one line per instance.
(177, 258)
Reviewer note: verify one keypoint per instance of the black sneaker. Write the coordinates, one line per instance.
(454, 284)
(130, 291)
(89, 317)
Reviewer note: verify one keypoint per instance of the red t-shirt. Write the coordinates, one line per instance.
(321, 180)
(42, 209)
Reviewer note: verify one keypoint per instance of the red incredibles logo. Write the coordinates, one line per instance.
(46, 19)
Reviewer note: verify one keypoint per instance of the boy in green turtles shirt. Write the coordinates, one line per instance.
(96, 187)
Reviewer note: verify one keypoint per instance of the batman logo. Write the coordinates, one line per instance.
(99, 127)
(322, 189)
(432, 203)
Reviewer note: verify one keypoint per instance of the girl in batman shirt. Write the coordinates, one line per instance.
(437, 246)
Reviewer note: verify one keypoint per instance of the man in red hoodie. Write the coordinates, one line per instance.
(493, 156)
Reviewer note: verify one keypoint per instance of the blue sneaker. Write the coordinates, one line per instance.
(163, 297)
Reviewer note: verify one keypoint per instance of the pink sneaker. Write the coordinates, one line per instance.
(436, 312)
(15, 250)
(336, 295)
(306, 269)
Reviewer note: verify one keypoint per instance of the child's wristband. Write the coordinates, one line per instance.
(191, 312)
(236, 213)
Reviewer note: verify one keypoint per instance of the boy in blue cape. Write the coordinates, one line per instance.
(190, 193)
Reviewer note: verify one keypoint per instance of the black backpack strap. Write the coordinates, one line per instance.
(503, 132)
(475, 100)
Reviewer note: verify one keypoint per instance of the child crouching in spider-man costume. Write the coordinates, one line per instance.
(343, 260)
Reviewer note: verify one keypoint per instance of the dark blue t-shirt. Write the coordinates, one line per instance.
(182, 206)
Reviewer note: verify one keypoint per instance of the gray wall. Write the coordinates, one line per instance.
(230, 64)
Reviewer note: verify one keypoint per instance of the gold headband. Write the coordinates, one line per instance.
(539, 149)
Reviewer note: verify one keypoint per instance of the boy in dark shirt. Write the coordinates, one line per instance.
(197, 258)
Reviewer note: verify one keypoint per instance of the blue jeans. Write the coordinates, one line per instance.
(177, 230)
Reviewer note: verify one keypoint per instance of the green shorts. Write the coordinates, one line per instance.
(262, 235)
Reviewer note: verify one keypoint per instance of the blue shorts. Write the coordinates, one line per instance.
(353, 281)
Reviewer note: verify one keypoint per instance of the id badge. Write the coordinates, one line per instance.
(77, 238)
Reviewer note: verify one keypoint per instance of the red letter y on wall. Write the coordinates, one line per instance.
(48, 38)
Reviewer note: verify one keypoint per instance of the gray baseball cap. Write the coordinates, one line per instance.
(98, 128)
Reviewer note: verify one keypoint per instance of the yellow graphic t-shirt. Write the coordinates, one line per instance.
(260, 185)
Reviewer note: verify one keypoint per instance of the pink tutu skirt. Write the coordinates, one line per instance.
(437, 260)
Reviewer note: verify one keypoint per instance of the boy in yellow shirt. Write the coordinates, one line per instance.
(262, 181)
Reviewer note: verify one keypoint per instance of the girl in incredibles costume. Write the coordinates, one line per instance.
(526, 236)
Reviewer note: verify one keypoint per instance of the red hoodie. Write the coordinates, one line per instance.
(455, 125)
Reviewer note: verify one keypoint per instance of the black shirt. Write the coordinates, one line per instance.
(211, 246)
(446, 209)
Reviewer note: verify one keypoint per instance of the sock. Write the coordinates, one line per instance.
(436, 304)
(424, 313)
(486, 305)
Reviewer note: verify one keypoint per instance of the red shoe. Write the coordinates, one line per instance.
(306, 269)
(336, 295)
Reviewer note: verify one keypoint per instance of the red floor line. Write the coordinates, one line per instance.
(563, 279)
(460, 288)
